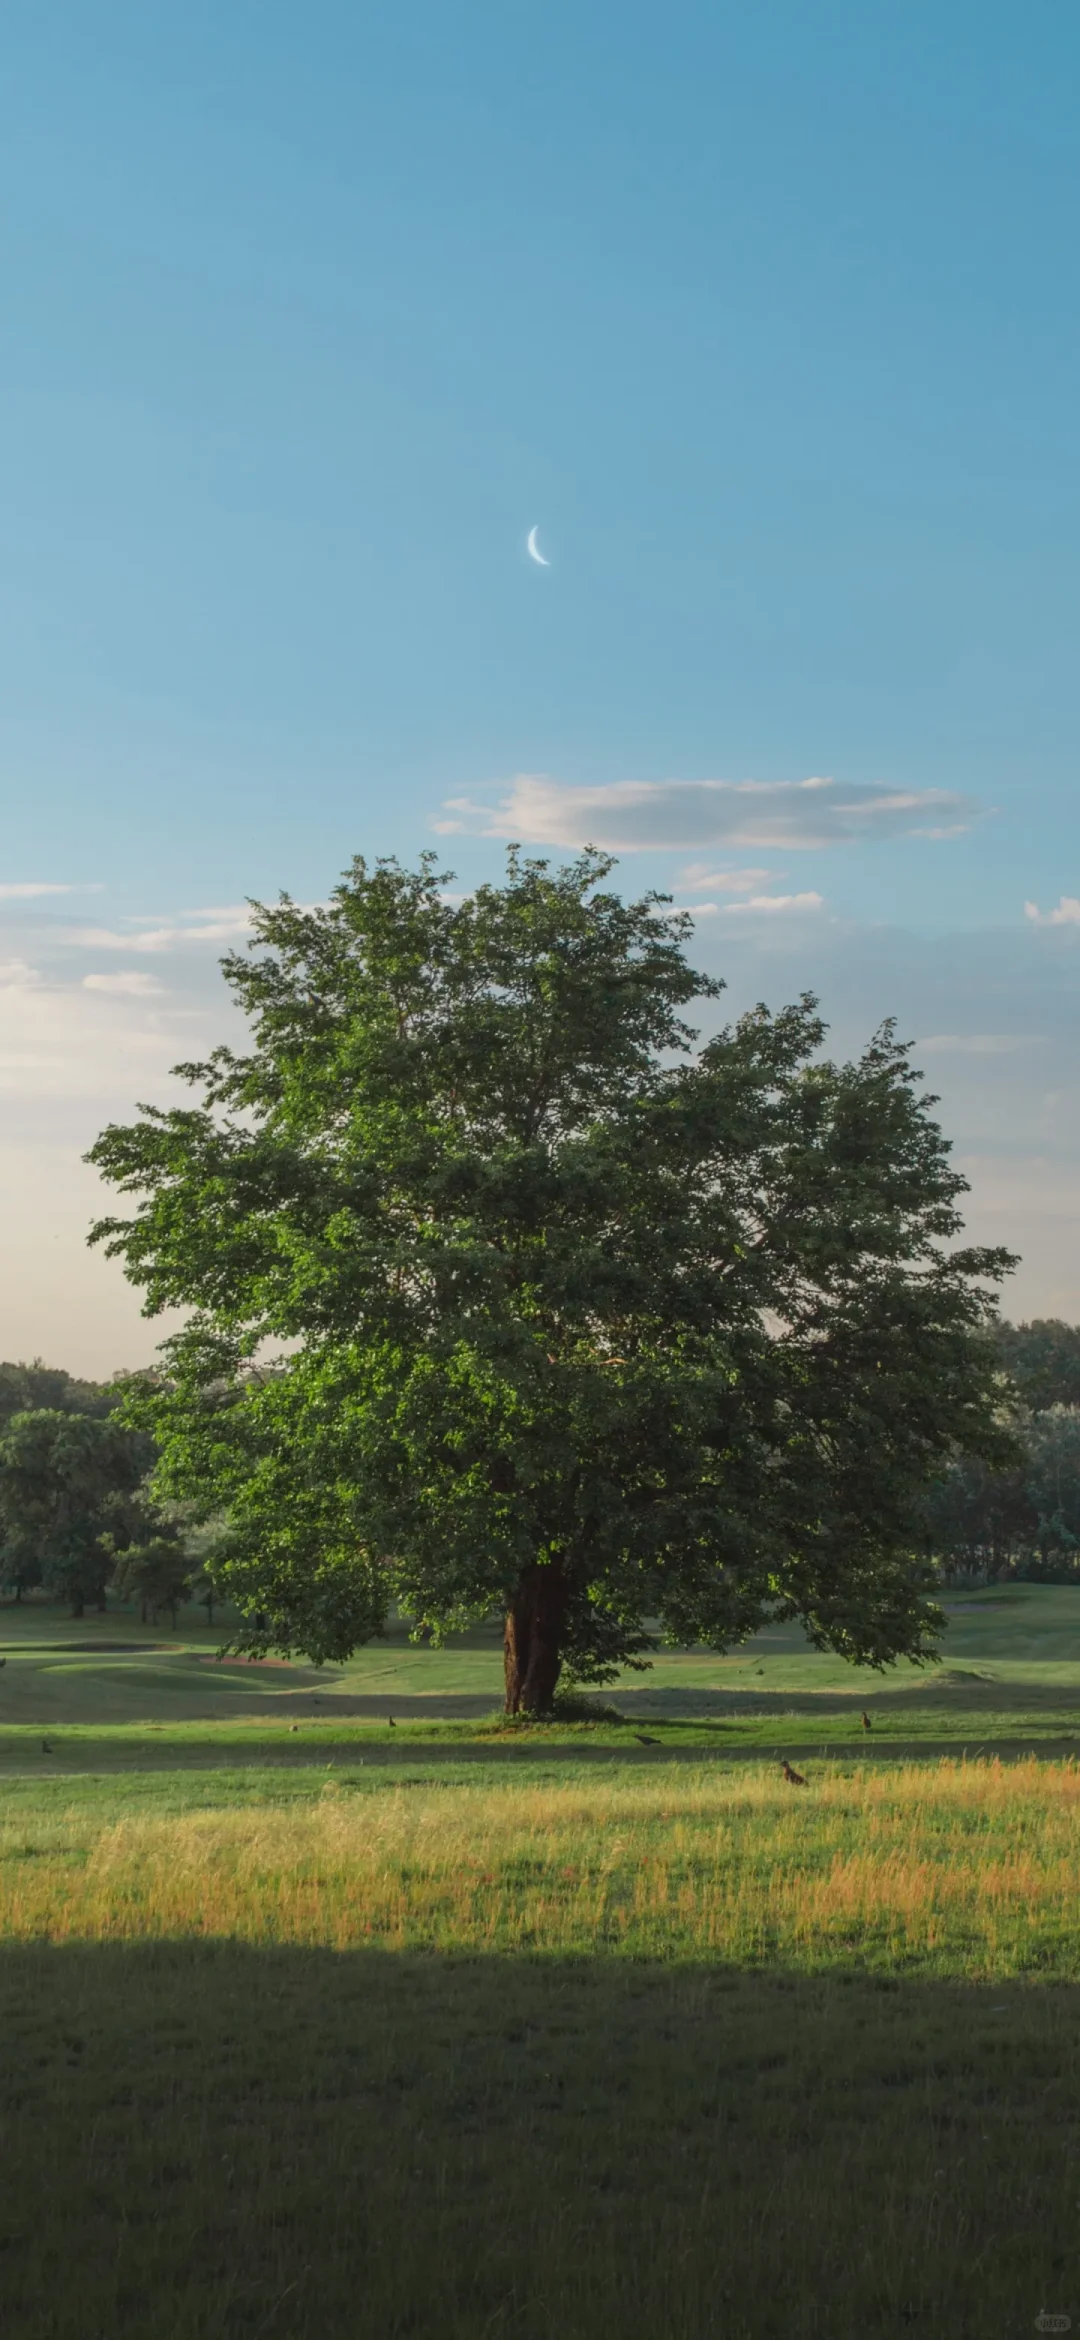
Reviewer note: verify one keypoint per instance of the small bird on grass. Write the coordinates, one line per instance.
(867, 1721)
(644, 1741)
(3, 1661)
(794, 1778)
(294, 1726)
(392, 1723)
(46, 1746)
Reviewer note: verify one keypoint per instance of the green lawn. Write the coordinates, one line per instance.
(1009, 1676)
(315, 2029)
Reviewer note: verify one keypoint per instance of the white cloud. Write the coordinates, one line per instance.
(634, 815)
(131, 984)
(28, 893)
(15, 975)
(978, 1043)
(1066, 914)
(774, 903)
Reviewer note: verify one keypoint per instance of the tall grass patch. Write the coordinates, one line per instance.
(970, 1869)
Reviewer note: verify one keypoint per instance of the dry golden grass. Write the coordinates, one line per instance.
(969, 1869)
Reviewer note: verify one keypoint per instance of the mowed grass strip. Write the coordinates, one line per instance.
(963, 1869)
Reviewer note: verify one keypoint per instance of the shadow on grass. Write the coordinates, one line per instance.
(942, 1693)
(205, 2139)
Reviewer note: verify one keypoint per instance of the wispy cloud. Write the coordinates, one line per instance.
(225, 925)
(978, 1043)
(726, 881)
(31, 891)
(629, 816)
(233, 913)
(130, 984)
(769, 904)
(1066, 914)
(774, 904)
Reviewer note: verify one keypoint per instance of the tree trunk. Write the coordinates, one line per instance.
(532, 1640)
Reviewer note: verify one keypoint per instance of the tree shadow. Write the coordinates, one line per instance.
(208, 2139)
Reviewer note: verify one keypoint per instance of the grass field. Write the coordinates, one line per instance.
(314, 2028)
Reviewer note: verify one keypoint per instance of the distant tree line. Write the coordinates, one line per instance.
(1024, 1521)
(77, 1511)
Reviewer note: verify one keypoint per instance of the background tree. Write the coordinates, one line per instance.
(156, 1571)
(1052, 1440)
(36, 1387)
(62, 1478)
(1042, 1359)
(587, 1326)
(206, 1542)
(981, 1519)
(1019, 1522)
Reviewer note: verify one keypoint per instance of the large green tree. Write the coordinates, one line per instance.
(576, 1320)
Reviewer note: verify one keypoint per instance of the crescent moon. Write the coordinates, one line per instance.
(531, 549)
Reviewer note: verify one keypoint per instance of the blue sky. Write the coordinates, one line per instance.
(767, 318)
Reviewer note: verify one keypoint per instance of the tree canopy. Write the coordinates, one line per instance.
(575, 1318)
